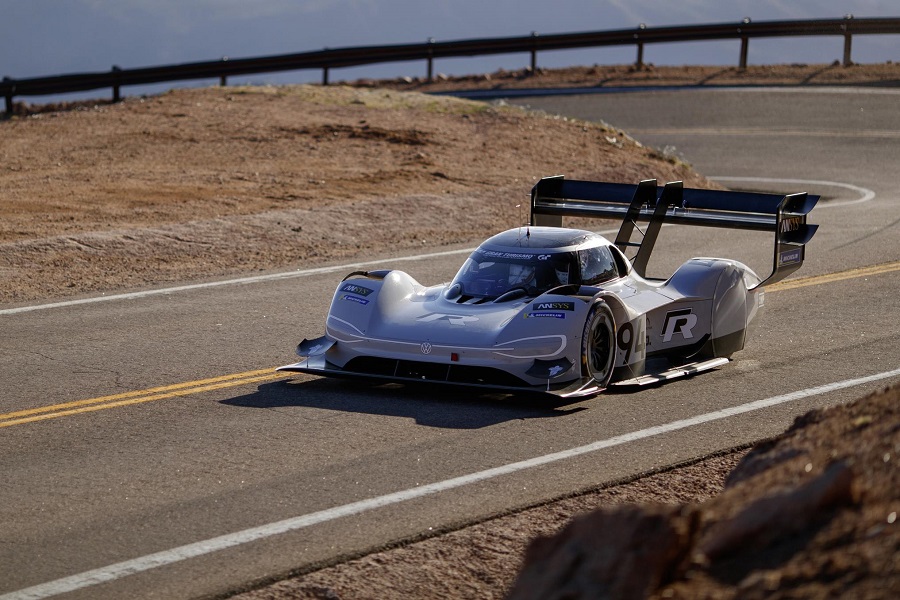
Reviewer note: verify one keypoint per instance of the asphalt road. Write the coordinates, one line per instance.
(147, 450)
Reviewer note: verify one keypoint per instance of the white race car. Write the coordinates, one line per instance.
(551, 309)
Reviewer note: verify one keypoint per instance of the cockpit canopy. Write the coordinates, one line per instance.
(536, 264)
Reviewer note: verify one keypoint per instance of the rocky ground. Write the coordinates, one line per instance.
(209, 183)
(810, 514)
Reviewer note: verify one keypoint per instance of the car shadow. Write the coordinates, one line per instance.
(454, 408)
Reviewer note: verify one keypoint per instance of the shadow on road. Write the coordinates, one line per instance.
(458, 408)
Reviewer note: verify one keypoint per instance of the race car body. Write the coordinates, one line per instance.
(552, 309)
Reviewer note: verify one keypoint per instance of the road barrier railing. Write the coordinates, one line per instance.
(430, 50)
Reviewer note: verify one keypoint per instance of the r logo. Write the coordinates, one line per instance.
(453, 319)
(679, 321)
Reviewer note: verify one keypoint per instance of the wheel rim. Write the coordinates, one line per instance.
(600, 344)
(599, 351)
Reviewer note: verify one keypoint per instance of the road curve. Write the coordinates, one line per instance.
(149, 451)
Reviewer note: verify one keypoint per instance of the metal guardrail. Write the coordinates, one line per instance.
(365, 55)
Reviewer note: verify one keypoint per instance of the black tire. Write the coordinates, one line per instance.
(598, 344)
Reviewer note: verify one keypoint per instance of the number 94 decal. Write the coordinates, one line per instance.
(632, 341)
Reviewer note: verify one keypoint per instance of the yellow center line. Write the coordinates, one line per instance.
(153, 390)
(832, 277)
(137, 397)
(227, 381)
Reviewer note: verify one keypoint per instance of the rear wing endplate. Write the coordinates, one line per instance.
(785, 216)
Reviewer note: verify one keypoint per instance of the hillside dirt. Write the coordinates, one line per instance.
(209, 183)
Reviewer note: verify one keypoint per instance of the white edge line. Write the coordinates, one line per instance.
(865, 194)
(213, 284)
(166, 557)
(240, 281)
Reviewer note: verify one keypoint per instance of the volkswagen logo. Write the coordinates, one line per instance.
(426, 347)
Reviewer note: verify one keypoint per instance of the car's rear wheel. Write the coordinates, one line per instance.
(598, 344)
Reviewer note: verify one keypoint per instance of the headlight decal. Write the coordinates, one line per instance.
(533, 347)
(341, 335)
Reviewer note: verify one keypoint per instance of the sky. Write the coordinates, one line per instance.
(54, 37)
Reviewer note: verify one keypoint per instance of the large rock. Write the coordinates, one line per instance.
(611, 553)
(810, 514)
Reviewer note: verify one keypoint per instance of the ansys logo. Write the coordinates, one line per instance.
(553, 306)
(356, 289)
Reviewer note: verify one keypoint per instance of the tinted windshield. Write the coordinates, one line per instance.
(488, 274)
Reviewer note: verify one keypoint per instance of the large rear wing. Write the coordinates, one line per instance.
(785, 216)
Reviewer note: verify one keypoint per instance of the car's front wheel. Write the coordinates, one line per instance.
(598, 344)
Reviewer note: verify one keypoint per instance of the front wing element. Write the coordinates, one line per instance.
(584, 387)
(399, 371)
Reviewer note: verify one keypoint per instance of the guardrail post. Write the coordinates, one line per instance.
(534, 35)
(116, 95)
(745, 42)
(324, 75)
(847, 42)
(430, 60)
(9, 95)
(640, 49)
